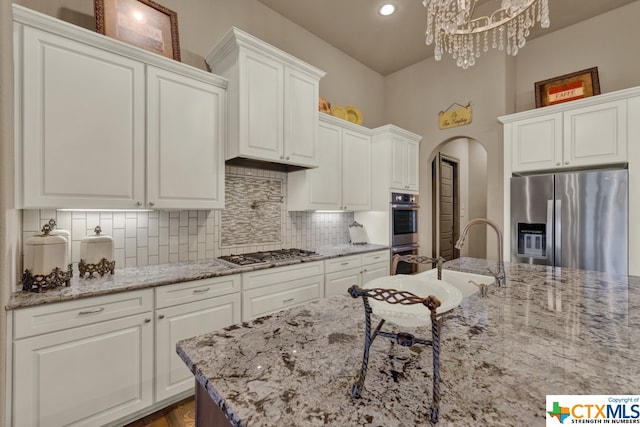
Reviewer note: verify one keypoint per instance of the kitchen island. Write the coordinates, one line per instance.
(550, 331)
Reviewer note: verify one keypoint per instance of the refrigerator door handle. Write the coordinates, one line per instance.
(557, 234)
(549, 234)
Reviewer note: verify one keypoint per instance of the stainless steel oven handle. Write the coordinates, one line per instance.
(402, 206)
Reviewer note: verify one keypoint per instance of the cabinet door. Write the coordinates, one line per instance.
(413, 166)
(84, 376)
(596, 135)
(325, 181)
(270, 299)
(537, 143)
(300, 118)
(356, 171)
(185, 321)
(341, 281)
(373, 271)
(261, 112)
(185, 163)
(82, 114)
(398, 163)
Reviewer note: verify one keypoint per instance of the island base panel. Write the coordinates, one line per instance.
(207, 412)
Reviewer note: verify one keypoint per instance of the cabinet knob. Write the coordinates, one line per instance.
(161, 316)
(566, 163)
(147, 320)
(558, 164)
(282, 157)
(151, 204)
(138, 203)
(287, 158)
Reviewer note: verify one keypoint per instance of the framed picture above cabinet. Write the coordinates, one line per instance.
(142, 23)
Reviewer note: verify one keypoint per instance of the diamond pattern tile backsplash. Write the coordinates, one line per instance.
(158, 237)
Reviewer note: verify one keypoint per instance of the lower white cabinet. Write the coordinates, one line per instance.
(185, 310)
(375, 264)
(271, 290)
(85, 370)
(344, 272)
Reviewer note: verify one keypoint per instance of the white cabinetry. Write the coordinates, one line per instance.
(592, 135)
(342, 180)
(185, 310)
(395, 159)
(83, 363)
(185, 136)
(102, 124)
(344, 272)
(270, 290)
(273, 99)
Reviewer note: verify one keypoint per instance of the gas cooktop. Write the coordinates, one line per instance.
(268, 256)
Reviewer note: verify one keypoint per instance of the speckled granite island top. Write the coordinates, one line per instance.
(128, 279)
(550, 331)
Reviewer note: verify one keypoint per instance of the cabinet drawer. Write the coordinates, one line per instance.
(375, 257)
(339, 282)
(269, 299)
(272, 276)
(342, 263)
(55, 317)
(196, 290)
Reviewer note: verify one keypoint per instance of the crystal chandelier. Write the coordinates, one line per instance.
(454, 29)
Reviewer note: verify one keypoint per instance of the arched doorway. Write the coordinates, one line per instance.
(459, 194)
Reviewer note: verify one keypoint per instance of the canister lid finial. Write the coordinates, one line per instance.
(46, 229)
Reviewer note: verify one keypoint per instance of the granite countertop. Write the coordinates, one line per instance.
(550, 331)
(128, 279)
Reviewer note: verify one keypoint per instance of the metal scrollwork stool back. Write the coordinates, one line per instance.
(393, 296)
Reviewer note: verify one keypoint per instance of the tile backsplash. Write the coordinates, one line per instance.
(158, 237)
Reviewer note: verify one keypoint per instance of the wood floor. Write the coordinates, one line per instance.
(181, 414)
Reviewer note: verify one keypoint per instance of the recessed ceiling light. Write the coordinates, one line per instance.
(387, 9)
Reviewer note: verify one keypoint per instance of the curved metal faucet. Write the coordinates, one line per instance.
(499, 274)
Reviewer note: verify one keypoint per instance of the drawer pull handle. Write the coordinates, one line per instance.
(94, 311)
(201, 291)
(287, 300)
(344, 263)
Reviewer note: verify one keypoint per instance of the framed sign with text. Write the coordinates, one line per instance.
(568, 87)
(142, 23)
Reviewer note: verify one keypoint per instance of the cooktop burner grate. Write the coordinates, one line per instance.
(268, 256)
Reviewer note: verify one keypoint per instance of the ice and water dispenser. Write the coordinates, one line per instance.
(532, 240)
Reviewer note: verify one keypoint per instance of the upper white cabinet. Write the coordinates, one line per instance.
(571, 135)
(396, 159)
(273, 101)
(185, 137)
(342, 180)
(102, 124)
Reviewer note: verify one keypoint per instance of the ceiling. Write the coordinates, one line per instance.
(389, 44)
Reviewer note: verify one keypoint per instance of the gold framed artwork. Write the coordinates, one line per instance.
(568, 87)
(142, 23)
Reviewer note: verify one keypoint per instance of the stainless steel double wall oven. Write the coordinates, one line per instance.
(404, 228)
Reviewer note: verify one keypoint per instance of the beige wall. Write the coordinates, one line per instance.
(415, 95)
(608, 41)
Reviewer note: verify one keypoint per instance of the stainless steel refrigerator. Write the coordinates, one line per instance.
(571, 219)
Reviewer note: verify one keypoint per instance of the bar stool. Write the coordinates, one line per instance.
(403, 298)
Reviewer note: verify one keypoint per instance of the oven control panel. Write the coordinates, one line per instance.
(404, 198)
